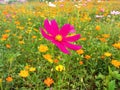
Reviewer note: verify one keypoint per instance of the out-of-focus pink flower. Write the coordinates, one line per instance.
(102, 10)
(22, 1)
(59, 36)
(115, 12)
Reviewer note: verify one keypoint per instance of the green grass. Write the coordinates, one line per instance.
(96, 73)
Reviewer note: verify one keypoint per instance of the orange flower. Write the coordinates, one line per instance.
(17, 22)
(97, 28)
(83, 39)
(102, 39)
(8, 46)
(49, 81)
(56, 61)
(106, 35)
(87, 57)
(9, 79)
(116, 63)
(5, 12)
(117, 45)
(27, 67)
(81, 62)
(80, 51)
(102, 57)
(4, 36)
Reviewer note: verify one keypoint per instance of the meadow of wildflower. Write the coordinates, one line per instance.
(61, 45)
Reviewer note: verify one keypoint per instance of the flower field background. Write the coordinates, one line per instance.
(35, 49)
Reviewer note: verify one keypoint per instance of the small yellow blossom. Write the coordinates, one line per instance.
(7, 31)
(34, 37)
(24, 73)
(107, 54)
(60, 68)
(48, 57)
(21, 42)
(80, 51)
(0, 80)
(21, 28)
(43, 48)
(49, 81)
(32, 69)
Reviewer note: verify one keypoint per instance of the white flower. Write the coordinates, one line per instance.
(51, 4)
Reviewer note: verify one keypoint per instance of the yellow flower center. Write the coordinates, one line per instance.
(58, 37)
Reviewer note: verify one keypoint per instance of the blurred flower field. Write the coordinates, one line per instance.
(61, 45)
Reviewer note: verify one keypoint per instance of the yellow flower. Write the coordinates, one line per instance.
(116, 63)
(34, 37)
(80, 51)
(87, 57)
(9, 79)
(21, 28)
(106, 35)
(42, 48)
(97, 27)
(21, 42)
(117, 45)
(107, 54)
(0, 80)
(7, 31)
(49, 81)
(48, 57)
(60, 68)
(32, 69)
(24, 73)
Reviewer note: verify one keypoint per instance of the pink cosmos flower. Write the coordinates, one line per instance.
(59, 36)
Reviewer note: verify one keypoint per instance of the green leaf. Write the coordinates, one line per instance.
(111, 85)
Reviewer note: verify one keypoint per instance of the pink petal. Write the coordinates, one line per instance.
(73, 38)
(61, 47)
(72, 46)
(66, 29)
(45, 35)
(54, 27)
(47, 26)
